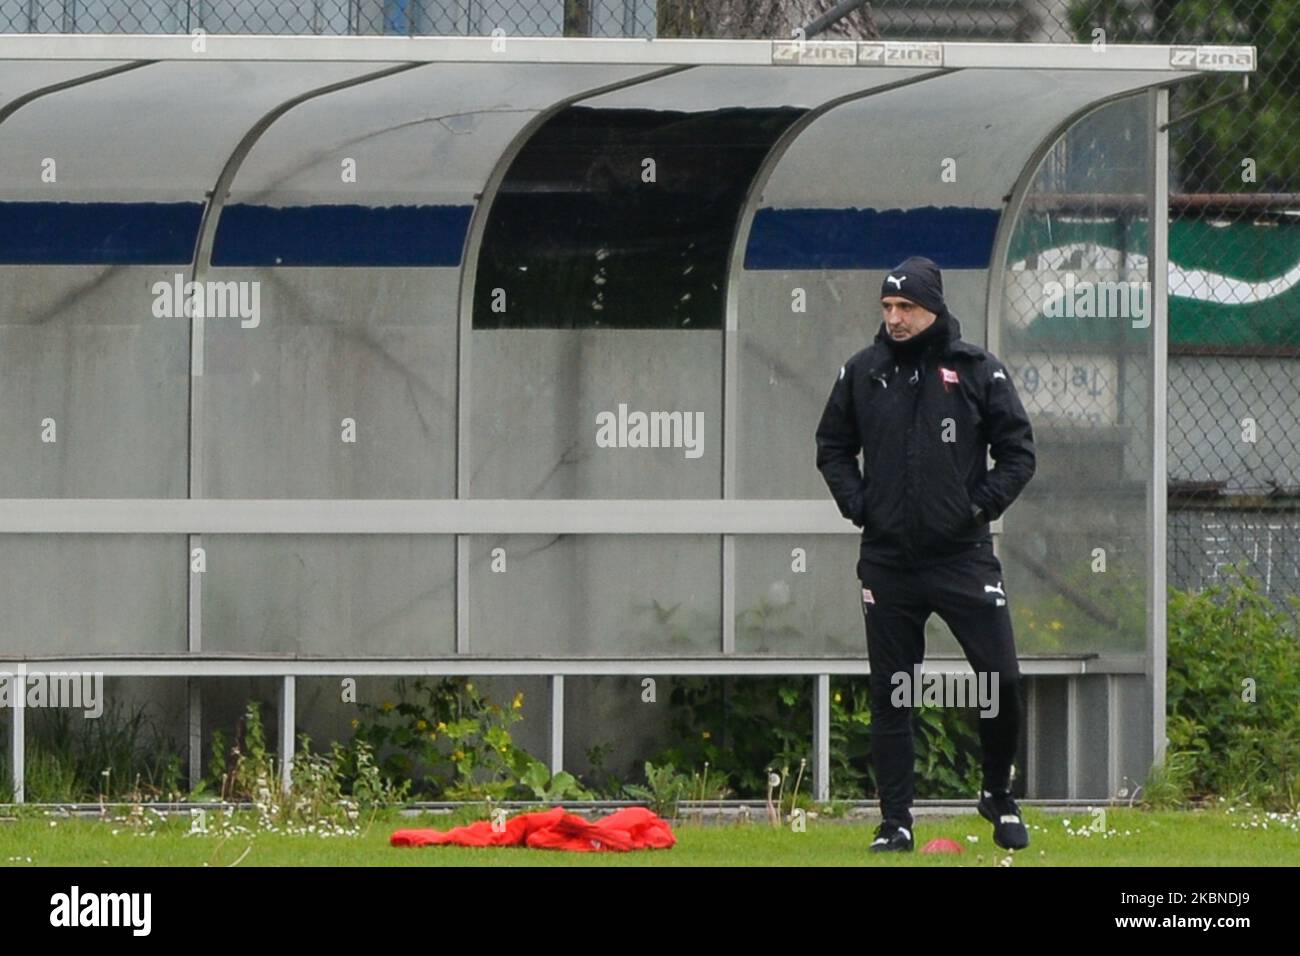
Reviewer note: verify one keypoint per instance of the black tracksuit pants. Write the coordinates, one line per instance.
(968, 593)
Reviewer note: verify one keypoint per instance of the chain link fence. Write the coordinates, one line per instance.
(1234, 289)
(1234, 281)
(332, 17)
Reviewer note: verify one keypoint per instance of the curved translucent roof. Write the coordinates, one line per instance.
(704, 88)
(433, 132)
(893, 145)
(117, 169)
(18, 80)
(936, 158)
(427, 121)
(162, 131)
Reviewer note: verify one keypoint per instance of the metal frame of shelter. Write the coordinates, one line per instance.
(729, 516)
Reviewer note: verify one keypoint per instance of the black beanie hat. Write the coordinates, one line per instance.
(916, 278)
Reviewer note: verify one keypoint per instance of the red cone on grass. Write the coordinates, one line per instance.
(942, 845)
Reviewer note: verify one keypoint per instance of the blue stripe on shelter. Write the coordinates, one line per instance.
(98, 233)
(348, 235)
(956, 237)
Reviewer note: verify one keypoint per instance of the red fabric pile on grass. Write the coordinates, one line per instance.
(633, 828)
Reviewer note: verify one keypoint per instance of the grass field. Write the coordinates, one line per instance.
(1243, 837)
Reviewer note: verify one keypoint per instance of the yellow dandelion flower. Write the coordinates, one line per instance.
(441, 725)
(837, 697)
(1056, 625)
(705, 735)
(388, 705)
(355, 723)
(421, 724)
(519, 700)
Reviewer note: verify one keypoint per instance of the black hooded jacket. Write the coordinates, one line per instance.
(925, 420)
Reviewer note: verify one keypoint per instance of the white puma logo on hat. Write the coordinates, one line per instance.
(898, 283)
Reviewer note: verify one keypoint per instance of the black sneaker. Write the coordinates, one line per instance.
(1008, 827)
(891, 837)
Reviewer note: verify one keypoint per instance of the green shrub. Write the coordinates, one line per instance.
(664, 789)
(1233, 694)
(452, 743)
(120, 755)
(327, 790)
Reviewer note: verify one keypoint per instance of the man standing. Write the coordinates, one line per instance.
(925, 408)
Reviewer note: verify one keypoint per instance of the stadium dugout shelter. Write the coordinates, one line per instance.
(333, 358)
